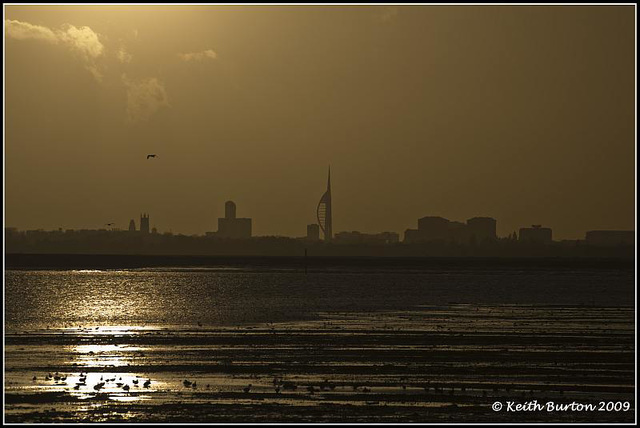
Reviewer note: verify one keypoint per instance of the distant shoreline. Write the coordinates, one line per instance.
(23, 261)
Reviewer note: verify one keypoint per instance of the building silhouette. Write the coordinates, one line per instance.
(313, 232)
(610, 238)
(232, 227)
(434, 228)
(482, 228)
(458, 233)
(132, 226)
(536, 234)
(356, 237)
(230, 210)
(440, 229)
(411, 235)
(144, 223)
(323, 212)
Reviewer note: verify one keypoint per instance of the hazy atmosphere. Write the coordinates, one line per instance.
(524, 114)
(318, 214)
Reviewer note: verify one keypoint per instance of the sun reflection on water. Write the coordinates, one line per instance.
(103, 355)
(116, 330)
(118, 386)
(114, 385)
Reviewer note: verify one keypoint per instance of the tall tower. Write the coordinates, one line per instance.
(132, 226)
(230, 209)
(144, 223)
(231, 226)
(324, 211)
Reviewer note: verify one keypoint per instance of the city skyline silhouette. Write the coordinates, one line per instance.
(479, 228)
(525, 114)
(365, 214)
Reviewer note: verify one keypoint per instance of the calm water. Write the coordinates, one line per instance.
(353, 345)
(37, 299)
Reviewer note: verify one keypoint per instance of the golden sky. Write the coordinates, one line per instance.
(525, 114)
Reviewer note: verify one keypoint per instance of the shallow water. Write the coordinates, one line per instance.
(160, 297)
(337, 346)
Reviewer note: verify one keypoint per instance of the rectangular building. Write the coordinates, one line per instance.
(610, 238)
(536, 234)
(234, 228)
(482, 228)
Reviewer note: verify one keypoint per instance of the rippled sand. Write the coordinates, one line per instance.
(443, 363)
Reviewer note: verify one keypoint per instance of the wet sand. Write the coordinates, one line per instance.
(445, 363)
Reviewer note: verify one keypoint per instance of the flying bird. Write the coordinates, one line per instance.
(109, 224)
(151, 156)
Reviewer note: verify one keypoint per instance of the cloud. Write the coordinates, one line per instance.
(81, 40)
(95, 72)
(25, 31)
(144, 98)
(123, 56)
(198, 56)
